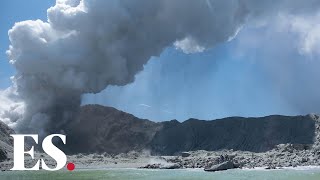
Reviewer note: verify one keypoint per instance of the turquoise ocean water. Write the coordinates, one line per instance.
(305, 174)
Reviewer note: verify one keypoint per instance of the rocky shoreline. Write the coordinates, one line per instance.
(284, 155)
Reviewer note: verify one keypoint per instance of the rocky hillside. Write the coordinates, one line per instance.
(237, 133)
(6, 141)
(105, 129)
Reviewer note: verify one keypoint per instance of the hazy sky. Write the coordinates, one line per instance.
(270, 67)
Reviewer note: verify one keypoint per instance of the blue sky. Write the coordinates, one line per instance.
(209, 85)
(258, 73)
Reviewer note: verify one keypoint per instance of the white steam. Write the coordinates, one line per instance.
(11, 107)
(90, 44)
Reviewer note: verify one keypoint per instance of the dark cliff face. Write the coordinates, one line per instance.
(237, 133)
(6, 141)
(106, 129)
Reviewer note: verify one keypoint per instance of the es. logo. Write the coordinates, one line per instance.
(47, 146)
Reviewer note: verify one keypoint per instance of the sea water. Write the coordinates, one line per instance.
(191, 174)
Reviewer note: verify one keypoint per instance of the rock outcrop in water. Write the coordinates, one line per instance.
(222, 166)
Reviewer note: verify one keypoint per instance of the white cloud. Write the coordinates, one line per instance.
(11, 108)
(308, 29)
(145, 105)
(188, 45)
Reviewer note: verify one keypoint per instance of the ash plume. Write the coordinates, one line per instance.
(87, 45)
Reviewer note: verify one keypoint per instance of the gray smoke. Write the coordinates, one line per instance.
(88, 45)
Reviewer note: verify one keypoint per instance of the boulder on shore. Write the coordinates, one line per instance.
(161, 166)
(151, 166)
(222, 166)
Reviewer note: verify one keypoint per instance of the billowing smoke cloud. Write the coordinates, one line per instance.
(88, 45)
(11, 107)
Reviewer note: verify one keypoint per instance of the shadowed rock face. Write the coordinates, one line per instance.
(6, 141)
(237, 133)
(105, 129)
